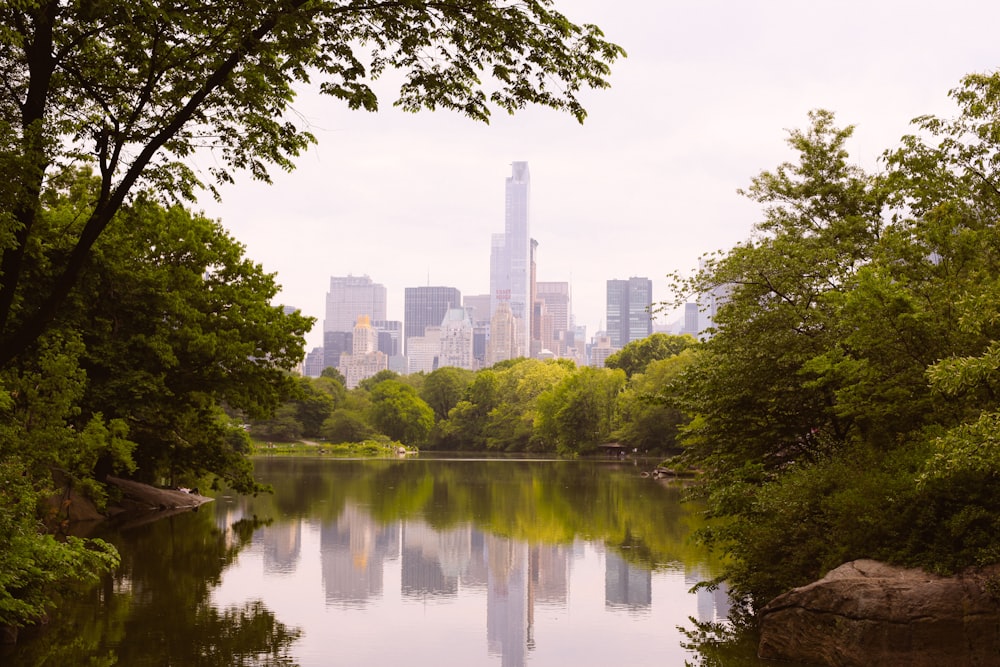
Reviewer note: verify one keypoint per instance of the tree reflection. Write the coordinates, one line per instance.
(156, 609)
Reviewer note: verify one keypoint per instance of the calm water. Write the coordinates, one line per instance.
(414, 562)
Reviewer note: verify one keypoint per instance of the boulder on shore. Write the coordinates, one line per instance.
(869, 613)
(137, 496)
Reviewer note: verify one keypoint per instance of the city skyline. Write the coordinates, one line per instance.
(645, 186)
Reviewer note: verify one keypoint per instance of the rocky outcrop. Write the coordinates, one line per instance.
(143, 497)
(871, 614)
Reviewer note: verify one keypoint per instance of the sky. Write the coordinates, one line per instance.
(645, 186)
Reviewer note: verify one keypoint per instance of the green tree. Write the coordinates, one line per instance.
(648, 417)
(369, 383)
(465, 428)
(638, 354)
(753, 390)
(398, 412)
(33, 566)
(763, 391)
(177, 322)
(283, 426)
(346, 426)
(141, 87)
(443, 388)
(510, 423)
(846, 406)
(578, 413)
(333, 374)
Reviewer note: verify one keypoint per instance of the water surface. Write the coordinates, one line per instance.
(414, 562)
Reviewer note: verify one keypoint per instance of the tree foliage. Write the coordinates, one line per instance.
(33, 565)
(846, 405)
(638, 354)
(140, 88)
(579, 412)
(398, 412)
(649, 418)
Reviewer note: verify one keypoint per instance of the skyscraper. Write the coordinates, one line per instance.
(364, 360)
(503, 340)
(629, 316)
(349, 298)
(457, 340)
(426, 307)
(510, 256)
(555, 296)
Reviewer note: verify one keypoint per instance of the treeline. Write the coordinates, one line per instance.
(522, 405)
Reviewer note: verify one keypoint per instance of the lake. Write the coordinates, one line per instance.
(418, 561)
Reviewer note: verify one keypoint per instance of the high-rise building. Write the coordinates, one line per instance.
(457, 340)
(556, 335)
(629, 317)
(336, 343)
(422, 352)
(692, 318)
(478, 306)
(314, 363)
(503, 336)
(425, 307)
(364, 360)
(601, 349)
(349, 298)
(510, 255)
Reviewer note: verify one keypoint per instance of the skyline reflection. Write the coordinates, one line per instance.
(505, 583)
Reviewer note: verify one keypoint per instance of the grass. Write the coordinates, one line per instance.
(373, 447)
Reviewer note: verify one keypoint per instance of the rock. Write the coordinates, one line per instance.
(138, 496)
(69, 504)
(872, 614)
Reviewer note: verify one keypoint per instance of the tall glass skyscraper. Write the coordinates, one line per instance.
(426, 307)
(510, 256)
(350, 297)
(629, 316)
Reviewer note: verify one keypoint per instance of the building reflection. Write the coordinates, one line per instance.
(282, 544)
(430, 559)
(353, 551)
(713, 605)
(507, 618)
(626, 585)
(514, 577)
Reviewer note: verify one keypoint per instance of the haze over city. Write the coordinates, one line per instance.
(644, 187)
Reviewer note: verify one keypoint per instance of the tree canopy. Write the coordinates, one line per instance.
(846, 405)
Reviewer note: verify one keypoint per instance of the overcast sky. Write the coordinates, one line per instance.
(644, 187)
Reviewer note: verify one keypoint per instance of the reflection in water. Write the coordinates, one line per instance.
(353, 550)
(626, 585)
(508, 579)
(416, 562)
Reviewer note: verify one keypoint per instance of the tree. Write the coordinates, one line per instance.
(578, 413)
(33, 566)
(139, 88)
(443, 388)
(176, 323)
(648, 418)
(638, 354)
(333, 374)
(369, 383)
(170, 323)
(510, 423)
(846, 406)
(755, 394)
(399, 413)
(465, 428)
(346, 426)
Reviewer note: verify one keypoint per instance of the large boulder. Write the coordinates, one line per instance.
(872, 614)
